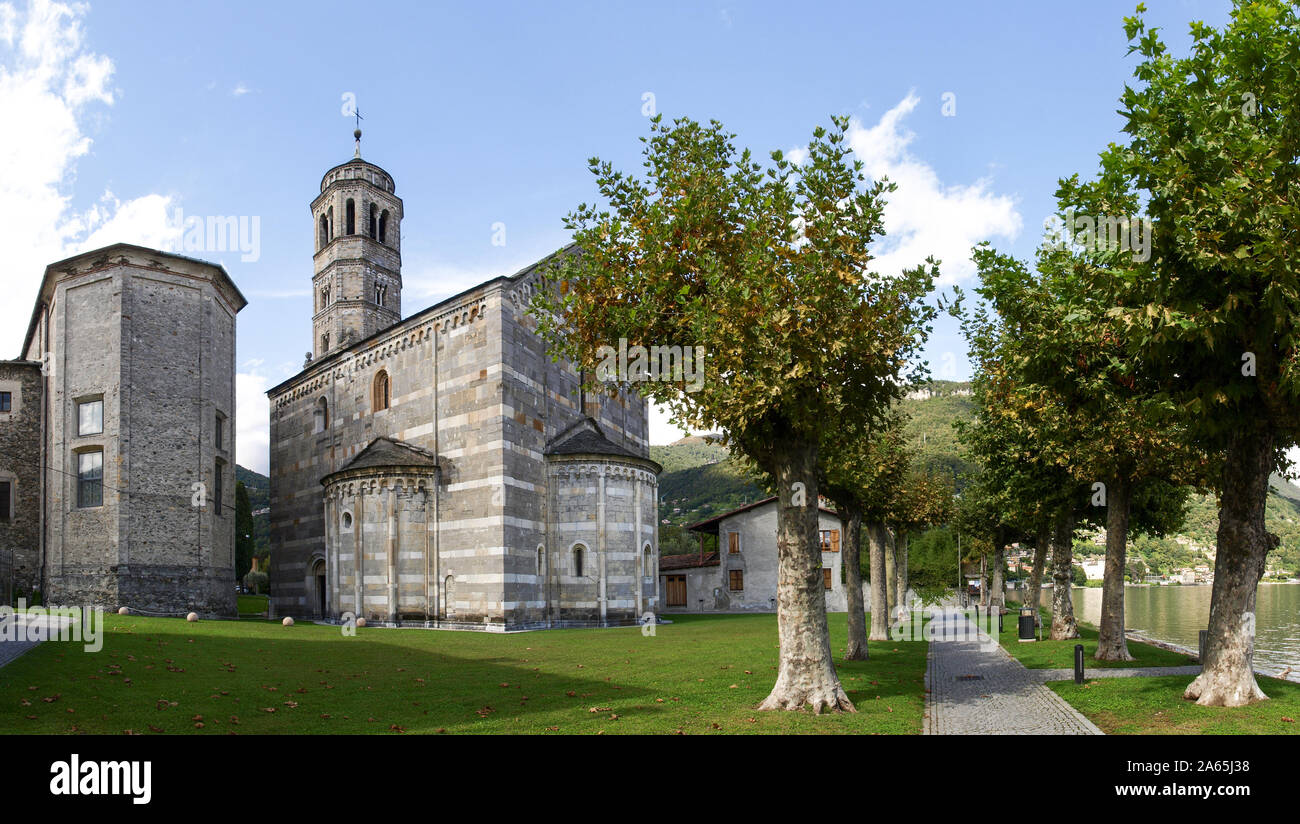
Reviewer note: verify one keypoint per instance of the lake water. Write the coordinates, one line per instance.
(1177, 614)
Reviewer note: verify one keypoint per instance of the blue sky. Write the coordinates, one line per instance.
(118, 114)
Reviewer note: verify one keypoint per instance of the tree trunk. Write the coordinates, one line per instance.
(806, 674)
(1063, 624)
(851, 522)
(1227, 676)
(900, 571)
(891, 573)
(876, 538)
(998, 574)
(984, 579)
(1034, 597)
(1111, 643)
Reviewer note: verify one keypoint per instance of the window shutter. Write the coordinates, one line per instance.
(835, 540)
(826, 577)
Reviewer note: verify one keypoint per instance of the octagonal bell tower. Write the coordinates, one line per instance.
(357, 280)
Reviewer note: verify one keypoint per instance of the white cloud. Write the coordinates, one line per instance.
(240, 90)
(252, 416)
(48, 75)
(662, 428)
(925, 216)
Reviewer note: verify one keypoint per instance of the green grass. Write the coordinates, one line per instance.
(251, 604)
(701, 674)
(1060, 654)
(1155, 706)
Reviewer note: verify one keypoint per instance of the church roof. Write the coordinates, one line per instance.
(584, 437)
(387, 453)
(414, 320)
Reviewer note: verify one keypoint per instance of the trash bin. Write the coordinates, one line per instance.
(1027, 623)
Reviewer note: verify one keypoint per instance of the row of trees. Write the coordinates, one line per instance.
(1110, 382)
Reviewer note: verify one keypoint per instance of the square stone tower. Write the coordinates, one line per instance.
(137, 349)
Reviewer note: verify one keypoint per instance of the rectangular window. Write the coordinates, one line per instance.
(6, 491)
(733, 542)
(6, 401)
(737, 580)
(90, 417)
(221, 426)
(826, 577)
(90, 479)
(830, 539)
(217, 474)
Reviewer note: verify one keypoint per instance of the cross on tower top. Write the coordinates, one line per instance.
(357, 133)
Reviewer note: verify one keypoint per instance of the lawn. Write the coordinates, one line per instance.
(1060, 654)
(701, 674)
(1155, 706)
(251, 604)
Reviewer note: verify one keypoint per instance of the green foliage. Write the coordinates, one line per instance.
(244, 541)
(258, 582)
(932, 558)
(765, 267)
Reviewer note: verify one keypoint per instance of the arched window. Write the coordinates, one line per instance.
(324, 230)
(578, 552)
(541, 560)
(381, 292)
(372, 225)
(383, 226)
(324, 343)
(322, 415)
(351, 218)
(647, 562)
(324, 297)
(381, 392)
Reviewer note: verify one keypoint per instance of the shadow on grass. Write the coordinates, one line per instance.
(701, 675)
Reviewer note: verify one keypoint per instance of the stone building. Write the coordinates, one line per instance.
(125, 396)
(741, 575)
(441, 470)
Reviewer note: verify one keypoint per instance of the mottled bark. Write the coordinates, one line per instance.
(1111, 643)
(984, 579)
(876, 543)
(806, 673)
(1227, 677)
(851, 521)
(900, 574)
(1063, 623)
(1034, 597)
(997, 577)
(891, 573)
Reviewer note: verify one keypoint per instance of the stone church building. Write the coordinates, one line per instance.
(442, 470)
(117, 437)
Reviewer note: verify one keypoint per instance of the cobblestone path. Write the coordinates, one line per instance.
(973, 687)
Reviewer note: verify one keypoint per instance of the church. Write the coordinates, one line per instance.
(443, 470)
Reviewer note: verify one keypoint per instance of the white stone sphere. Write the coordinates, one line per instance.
(288, 622)
(361, 622)
(122, 610)
(192, 617)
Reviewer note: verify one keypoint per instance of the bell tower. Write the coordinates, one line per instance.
(357, 280)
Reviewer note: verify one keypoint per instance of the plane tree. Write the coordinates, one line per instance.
(767, 268)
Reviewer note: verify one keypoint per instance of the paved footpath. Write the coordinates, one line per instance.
(973, 687)
(11, 649)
